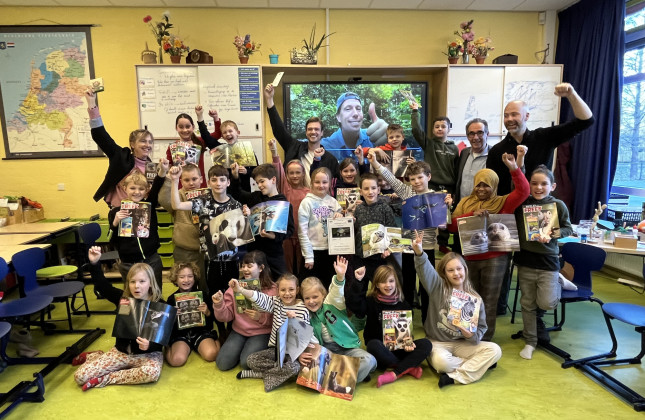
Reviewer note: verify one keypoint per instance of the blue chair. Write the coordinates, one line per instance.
(27, 262)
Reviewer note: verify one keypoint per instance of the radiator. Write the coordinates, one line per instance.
(631, 264)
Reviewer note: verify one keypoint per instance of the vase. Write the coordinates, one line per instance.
(244, 59)
(465, 59)
(480, 60)
(175, 59)
(273, 58)
(160, 56)
(453, 60)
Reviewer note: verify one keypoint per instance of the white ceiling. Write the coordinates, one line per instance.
(481, 5)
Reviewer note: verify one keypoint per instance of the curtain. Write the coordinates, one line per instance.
(591, 44)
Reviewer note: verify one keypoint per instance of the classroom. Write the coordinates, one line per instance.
(371, 41)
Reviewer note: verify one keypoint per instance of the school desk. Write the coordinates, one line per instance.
(22, 238)
(8, 251)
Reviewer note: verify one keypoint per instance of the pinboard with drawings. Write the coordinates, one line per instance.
(234, 91)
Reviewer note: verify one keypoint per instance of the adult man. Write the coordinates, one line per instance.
(350, 135)
(472, 158)
(294, 149)
(541, 141)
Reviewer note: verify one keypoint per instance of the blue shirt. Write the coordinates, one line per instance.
(336, 141)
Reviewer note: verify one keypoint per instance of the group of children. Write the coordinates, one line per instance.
(334, 296)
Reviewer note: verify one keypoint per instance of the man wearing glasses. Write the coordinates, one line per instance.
(472, 158)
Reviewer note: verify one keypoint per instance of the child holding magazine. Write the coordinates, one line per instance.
(251, 328)
(349, 168)
(328, 316)
(458, 354)
(385, 295)
(538, 265)
(264, 364)
(201, 339)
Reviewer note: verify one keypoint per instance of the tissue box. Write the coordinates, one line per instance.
(628, 242)
(31, 215)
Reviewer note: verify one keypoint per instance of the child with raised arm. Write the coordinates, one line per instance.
(458, 355)
(203, 129)
(395, 139)
(315, 209)
(293, 184)
(265, 176)
(328, 316)
(264, 364)
(385, 295)
(538, 265)
(251, 328)
(137, 249)
(130, 361)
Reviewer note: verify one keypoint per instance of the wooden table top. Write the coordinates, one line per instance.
(36, 227)
(21, 238)
(8, 251)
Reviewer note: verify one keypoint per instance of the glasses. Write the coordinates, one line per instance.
(478, 133)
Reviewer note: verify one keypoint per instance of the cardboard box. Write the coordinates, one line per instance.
(12, 213)
(628, 242)
(31, 215)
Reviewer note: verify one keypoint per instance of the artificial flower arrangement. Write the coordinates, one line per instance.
(466, 34)
(170, 43)
(245, 47)
(173, 45)
(454, 49)
(481, 46)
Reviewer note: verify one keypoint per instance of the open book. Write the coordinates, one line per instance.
(187, 313)
(398, 164)
(541, 220)
(138, 224)
(292, 339)
(143, 318)
(271, 216)
(424, 211)
(497, 232)
(464, 310)
(330, 373)
(376, 238)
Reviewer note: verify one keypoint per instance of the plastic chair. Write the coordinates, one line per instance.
(27, 262)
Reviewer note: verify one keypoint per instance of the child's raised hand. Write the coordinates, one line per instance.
(175, 173)
(272, 146)
(235, 285)
(521, 150)
(235, 170)
(360, 153)
(94, 254)
(509, 161)
(417, 243)
(340, 265)
(143, 343)
(448, 200)
(319, 152)
(291, 314)
(253, 314)
(213, 114)
(217, 297)
(90, 98)
(241, 170)
(164, 166)
(199, 110)
(359, 273)
(246, 211)
(414, 105)
(269, 91)
(372, 159)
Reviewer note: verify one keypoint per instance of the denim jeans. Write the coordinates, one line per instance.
(237, 348)
(367, 361)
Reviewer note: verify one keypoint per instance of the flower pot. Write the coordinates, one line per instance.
(480, 60)
(273, 58)
(453, 60)
(244, 59)
(175, 59)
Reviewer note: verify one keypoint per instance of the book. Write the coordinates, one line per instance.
(188, 315)
(227, 231)
(464, 310)
(397, 329)
(198, 197)
(138, 224)
(151, 172)
(398, 243)
(241, 153)
(242, 303)
(398, 164)
(424, 211)
(183, 152)
(497, 232)
(374, 239)
(330, 373)
(271, 216)
(541, 220)
(348, 199)
(341, 236)
(292, 338)
(97, 85)
(143, 318)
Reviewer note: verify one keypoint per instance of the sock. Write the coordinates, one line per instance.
(444, 380)
(248, 373)
(386, 378)
(92, 383)
(493, 366)
(80, 359)
(527, 352)
(416, 372)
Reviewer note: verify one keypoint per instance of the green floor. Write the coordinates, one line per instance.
(518, 389)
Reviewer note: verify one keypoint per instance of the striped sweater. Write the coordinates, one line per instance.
(274, 304)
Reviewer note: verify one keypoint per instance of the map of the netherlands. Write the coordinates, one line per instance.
(45, 72)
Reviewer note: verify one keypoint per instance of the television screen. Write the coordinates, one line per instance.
(305, 100)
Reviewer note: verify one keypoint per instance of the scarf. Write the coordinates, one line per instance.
(390, 300)
(471, 203)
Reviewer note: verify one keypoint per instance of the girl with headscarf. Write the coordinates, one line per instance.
(487, 269)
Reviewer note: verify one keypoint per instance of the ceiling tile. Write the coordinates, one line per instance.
(84, 3)
(398, 4)
(189, 3)
(29, 3)
(235, 4)
(542, 5)
(295, 4)
(345, 4)
(138, 3)
(505, 5)
(445, 4)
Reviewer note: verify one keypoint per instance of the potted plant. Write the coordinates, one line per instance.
(245, 47)
(454, 51)
(273, 57)
(174, 46)
(308, 53)
(481, 46)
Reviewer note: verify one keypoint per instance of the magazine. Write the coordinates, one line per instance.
(151, 172)
(374, 239)
(183, 152)
(397, 329)
(227, 231)
(240, 153)
(424, 211)
(138, 224)
(541, 220)
(348, 199)
(242, 303)
(143, 318)
(270, 216)
(464, 310)
(188, 314)
(497, 232)
(341, 236)
(292, 338)
(200, 196)
(398, 243)
(330, 373)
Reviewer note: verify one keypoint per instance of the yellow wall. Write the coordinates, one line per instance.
(362, 38)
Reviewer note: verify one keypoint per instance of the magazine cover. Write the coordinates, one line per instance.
(142, 318)
(271, 216)
(397, 242)
(464, 310)
(292, 338)
(498, 232)
(541, 220)
(341, 236)
(151, 172)
(397, 329)
(242, 303)
(348, 199)
(188, 314)
(199, 196)
(241, 153)
(228, 231)
(183, 152)
(329, 373)
(138, 224)
(425, 211)
(374, 239)
(398, 164)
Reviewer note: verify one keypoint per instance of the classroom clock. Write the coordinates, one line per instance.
(199, 57)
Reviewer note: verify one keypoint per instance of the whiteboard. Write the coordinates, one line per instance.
(535, 85)
(475, 92)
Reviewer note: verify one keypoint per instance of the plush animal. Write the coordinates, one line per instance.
(498, 232)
